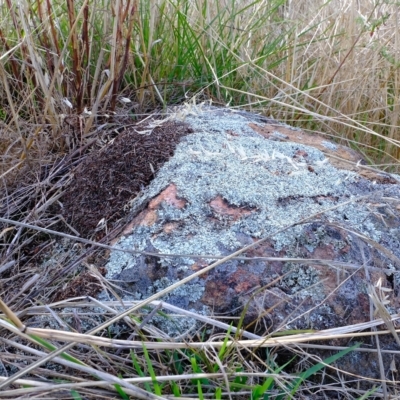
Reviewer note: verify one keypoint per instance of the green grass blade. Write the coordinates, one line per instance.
(260, 390)
(175, 389)
(50, 347)
(223, 349)
(366, 395)
(200, 390)
(157, 387)
(121, 392)
(177, 363)
(197, 370)
(75, 395)
(239, 381)
(319, 366)
(139, 370)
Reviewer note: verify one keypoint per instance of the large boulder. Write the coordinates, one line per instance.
(325, 230)
(238, 178)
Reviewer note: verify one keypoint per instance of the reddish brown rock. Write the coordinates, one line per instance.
(222, 208)
(330, 226)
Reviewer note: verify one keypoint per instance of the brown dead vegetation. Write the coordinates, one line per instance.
(106, 180)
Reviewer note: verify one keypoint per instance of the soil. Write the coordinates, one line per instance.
(107, 180)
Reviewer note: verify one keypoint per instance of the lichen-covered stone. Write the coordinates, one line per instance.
(240, 177)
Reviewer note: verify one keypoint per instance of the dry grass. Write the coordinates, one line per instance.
(106, 343)
(72, 75)
(326, 66)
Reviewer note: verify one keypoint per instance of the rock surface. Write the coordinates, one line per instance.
(238, 178)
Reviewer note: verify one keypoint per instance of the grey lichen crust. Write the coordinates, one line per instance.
(280, 182)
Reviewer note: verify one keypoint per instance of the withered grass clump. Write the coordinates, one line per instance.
(76, 75)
